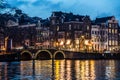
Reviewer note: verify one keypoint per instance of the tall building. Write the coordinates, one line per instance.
(2, 43)
(119, 38)
(99, 38)
(43, 34)
(112, 25)
(68, 29)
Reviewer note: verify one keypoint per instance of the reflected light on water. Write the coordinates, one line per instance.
(110, 70)
(62, 70)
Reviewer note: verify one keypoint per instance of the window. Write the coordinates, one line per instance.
(113, 25)
(116, 43)
(109, 42)
(57, 28)
(87, 34)
(109, 25)
(70, 27)
(95, 32)
(109, 30)
(116, 25)
(98, 33)
(112, 42)
(78, 27)
(92, 32)
(112, 30)
(103, 32)
(53, 21)
(115, 30)
(87, 27)
(62, 20)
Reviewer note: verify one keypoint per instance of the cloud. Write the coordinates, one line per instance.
(43, 8)
(29, 1)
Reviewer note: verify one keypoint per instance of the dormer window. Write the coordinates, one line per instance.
(77, 19)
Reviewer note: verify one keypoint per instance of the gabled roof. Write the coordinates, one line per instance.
(103, 19)
(68, 16)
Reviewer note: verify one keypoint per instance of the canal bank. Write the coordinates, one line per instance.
(71, 56)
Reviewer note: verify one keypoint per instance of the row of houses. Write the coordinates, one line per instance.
(99, 35)
(63, 31)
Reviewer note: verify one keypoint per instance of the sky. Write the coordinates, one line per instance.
(93, 8)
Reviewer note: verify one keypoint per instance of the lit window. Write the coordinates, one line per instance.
(112, 30)
(115, 30)
(109, 30)
(69, 27)
(57, 28)
(110, 42)
(116, 43)
(87, 27)
(109, 25)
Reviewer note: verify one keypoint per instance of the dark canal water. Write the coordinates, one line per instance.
(62, 70)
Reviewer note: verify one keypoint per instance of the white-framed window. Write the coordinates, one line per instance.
(116, 42)
(88, 27)
(109, 42)
(115, 30)
(112, 42)
(110, 25)
(109, 30)
(69, 26)
(57, 28)
(112, 30)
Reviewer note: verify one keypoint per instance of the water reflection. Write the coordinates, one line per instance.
(63, 70)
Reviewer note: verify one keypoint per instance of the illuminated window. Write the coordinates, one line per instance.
(69, 27)
(109, 25)
(87, 27)
(112, 30)
(109, 30)
(57, 28)
(110, 42)
(116, 43)
(115, 30)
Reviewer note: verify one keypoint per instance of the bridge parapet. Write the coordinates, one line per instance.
(42, 54)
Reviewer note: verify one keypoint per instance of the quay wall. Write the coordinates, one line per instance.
(69, 55)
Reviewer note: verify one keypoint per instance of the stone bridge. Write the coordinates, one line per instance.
(44, 54)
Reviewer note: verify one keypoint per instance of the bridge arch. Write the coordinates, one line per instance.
(59, 55)
(26, 55)
(43, 54)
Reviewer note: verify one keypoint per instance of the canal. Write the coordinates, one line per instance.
(61, 70)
